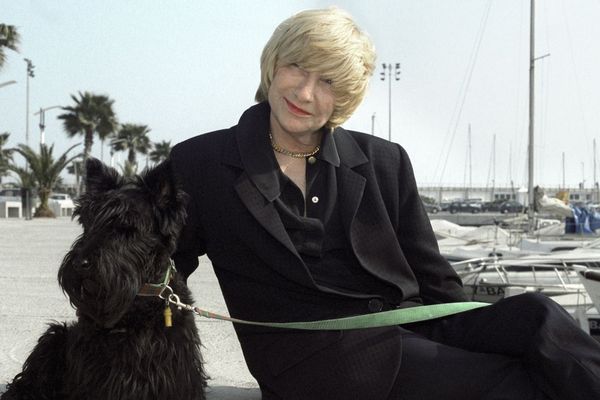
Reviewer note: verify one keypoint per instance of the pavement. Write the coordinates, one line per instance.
(30, 254)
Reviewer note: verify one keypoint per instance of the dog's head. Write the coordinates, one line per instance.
(130, 229)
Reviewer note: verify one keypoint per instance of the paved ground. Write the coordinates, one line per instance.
(30, 254)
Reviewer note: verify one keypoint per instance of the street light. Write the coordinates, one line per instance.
(7, 83)
(396, 69)
(30, 74)
(42, 125)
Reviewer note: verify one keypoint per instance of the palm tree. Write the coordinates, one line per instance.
(133, 139)
(9, 38)
(91, 115)
(128, 169)
(5, 155)
(160, 152)
(44, 170)
(24, 175)
(76, 169)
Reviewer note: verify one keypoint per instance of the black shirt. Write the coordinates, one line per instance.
(315, 227)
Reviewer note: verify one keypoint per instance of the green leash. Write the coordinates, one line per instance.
(386, 318)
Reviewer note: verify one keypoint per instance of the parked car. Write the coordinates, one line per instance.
(472, 206)
(61, 204)
(511, 206)
(445, 205)
(492, 206)
(60, 196)
(431, 208)
(63, 200)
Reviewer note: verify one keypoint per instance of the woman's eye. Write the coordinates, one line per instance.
(328, 81)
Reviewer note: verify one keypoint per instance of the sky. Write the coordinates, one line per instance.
(460, 108)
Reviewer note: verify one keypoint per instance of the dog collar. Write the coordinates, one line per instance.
(157, 289)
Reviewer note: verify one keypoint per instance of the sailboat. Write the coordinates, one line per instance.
(497, 263)
(535, 235)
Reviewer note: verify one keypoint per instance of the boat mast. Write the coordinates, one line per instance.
(470, 161)
(532, 60)
(493, 167)
(530, 212)
(595, 195)
(563, 171)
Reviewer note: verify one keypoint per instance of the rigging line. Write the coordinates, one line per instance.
(521, 120)
(510, 179)
(462, 89)
(461, 93)
(465, 171)
(494, 164)
(492, 157)
(545, 96)
(468, 82)
(575, 74)
(543, 123)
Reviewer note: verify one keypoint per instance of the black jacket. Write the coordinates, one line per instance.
(231, 217)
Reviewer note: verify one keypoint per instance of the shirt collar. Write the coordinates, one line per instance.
(257, 155)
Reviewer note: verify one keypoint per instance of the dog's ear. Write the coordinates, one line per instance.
(161, 183)
(169, 200)
(99, 178)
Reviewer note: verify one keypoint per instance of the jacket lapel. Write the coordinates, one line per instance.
(257, 186)
(351, 185)
(363, 211)
(263, 210)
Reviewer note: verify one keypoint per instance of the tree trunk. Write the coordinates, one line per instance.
(43, 210)
(131, 156)
(87, 148)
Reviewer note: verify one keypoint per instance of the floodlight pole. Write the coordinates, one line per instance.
(42, 125)
(388, 68)
(30, 74)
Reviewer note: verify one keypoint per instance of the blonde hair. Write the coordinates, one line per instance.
(327, 41)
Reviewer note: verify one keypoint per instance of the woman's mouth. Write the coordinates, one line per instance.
(294, 109)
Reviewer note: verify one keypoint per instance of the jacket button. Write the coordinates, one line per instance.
(375, 305)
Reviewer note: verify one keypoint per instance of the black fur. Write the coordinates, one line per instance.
(119, 348)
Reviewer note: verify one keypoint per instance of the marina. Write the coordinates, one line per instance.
(495, 262)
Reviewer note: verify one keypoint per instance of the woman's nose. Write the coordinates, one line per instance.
(307, 86)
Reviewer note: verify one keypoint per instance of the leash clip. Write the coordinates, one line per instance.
(172, 298)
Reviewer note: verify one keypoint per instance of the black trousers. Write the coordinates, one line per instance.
(522, 347)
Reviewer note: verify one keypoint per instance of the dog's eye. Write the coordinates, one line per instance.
(84, 265)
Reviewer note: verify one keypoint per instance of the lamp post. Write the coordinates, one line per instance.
(42, 125)
(388, 68)
(30, 74)
(373, 124)
(7, 83)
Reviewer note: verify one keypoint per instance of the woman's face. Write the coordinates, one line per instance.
(301, 101)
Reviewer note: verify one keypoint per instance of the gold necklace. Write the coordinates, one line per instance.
(294, 154)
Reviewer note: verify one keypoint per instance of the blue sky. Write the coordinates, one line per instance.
(188, 67)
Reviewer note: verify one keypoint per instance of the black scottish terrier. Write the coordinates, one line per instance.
(121, 346)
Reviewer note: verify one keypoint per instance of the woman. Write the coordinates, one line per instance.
(304, 220)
